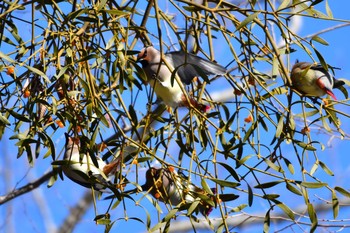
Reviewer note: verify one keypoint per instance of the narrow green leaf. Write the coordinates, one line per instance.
(271, 196)
(225, 183)
(306, 146)
(342, 191)
(133, 115)
(293, 189)
(283, 5)
(268, 184)
(206, 187)
(4, 120)
(238, 208)
(328, 10)
(286, 210)
(279, 127)
(228, 197)
(319, 40)
(275, 69)
(250, 131)
(193, 207)
(314, 167)
(325, 124)
(335, 204)
(18, 116)
(321, 59)
(316, 2)
(247, 20)
(230, 170)
(313, 217)
(312, 185)
(273, 166)
(250, 196)
(267, 222)
(289, 165)
(326, 169)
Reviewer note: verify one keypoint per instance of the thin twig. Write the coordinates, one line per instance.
(27, 188)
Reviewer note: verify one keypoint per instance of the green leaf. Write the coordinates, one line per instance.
(271, 196)
(268, 184)
(285, 209)
(342, 191)
(314, 167)
(206, 187)
(321, 59)
(313, 185)
(306, 146)
(289, 165)
(335, 205)
(4, 120)
(250, 131)
(250, 196)
(228, 197)
(170, 215)
(328, 10)
(18, 116)
(316, 2)
(275, 69)
(225, 183)
(313, 217)
(283, 5)
(326, 169)
(273, 166)
(133, 115)
(193, 207)
(279, 127)
(247, 20)
(267, 222)
(293, 189)
(230, 170)
(319, 40)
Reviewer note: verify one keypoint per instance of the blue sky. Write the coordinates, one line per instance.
(45, 208)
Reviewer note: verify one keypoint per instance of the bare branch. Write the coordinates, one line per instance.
(27, 188)
(246, 219)
(76, 213)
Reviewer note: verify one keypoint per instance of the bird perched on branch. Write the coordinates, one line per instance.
(313, 80)
(160, 74)
(166, 185)
(81, 168)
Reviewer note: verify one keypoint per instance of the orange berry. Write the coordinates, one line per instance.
(248, 119)
(325, 101)
(157, 195)
(237, 92)
(171, 169)
(251, 81)
(135, 161)
(78, 129)
(59, 123)
(305, 130)
(10, 70)
(26, 93)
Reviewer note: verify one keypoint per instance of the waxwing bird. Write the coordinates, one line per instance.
(166, 185)
(186, 65)
(313, 80)
(81, 169)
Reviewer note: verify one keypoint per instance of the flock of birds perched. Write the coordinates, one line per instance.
(165, 184)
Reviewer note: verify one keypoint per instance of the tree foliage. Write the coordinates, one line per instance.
(70, 67)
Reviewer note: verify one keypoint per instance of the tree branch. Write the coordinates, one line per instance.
(76, 213)
(245, 219)
(27, 188)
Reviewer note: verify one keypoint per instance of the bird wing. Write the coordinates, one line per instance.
(190, 66)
